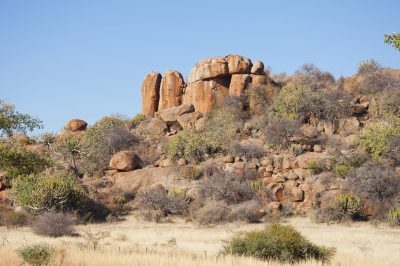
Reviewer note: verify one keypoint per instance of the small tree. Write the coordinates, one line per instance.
(71, 149)
(279, 131)
(12, 120)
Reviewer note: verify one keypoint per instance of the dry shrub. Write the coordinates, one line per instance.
(157, 198)
(14, 219)
(248, 211)
(54, 224)
(213, 212)
(248, 150)
(225, 187)
(279, 131)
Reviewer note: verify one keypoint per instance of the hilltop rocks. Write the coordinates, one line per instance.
(257, 68)
(75, 125)
(150, 93)
(125, 161)
(209, 68)
(238, 64)
(172, 84)
(209, 82)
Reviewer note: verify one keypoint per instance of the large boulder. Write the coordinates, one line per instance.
(257, 68)
(238, 84)
(150, 93)
(238, 64)
(205, 94)
(170, 115)
(125, 161)
(209, 68)
(188, 121)
(171, 90)
(76, 125)
(156, 126)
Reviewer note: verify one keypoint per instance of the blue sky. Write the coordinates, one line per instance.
(87, 59)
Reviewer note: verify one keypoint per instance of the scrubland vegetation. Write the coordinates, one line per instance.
(299, 145)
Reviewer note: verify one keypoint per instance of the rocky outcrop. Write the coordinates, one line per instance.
(171, 90)
(150, 93)
(209, 82)
(170, 115)
(75, 125)
(125, 161)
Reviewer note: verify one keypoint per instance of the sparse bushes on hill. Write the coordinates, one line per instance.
(54, 224)
(368, 67)
(378, 82)
(278, 242)
(136, 120)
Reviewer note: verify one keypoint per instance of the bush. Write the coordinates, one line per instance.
(54, 224)
(394, 217)
(378, 82)
(389, 104)
(16, 159)
(342, 170)
(101, 141)
(394, 148)
(225, 187)
(375, 138)
(59, 191)
(14, 219)
(277, 242)
(279, 131)
(158, 199)
(192, 145)
(248, 150)
(349, 204)
(213, 212)
(315, 167)
(377, 184)
(136, 120)
(311, 76)
(37, 254)
(368, 67)
(192, 172)
(299, 102)
(248, 211)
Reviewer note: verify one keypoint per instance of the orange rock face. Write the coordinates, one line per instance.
(171, 88)
(238, 84)
(204, 94)
(209, 68)
(150, 93)
(76, 125)
(238, 64)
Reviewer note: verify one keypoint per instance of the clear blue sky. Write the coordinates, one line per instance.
(87, 59)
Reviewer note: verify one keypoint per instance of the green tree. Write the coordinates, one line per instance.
(12, 120)
(393, 40)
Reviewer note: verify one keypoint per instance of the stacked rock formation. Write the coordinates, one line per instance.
(209, 82)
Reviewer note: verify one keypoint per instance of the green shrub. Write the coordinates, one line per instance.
(37, 254)
(136, 120)
(315, 167)
(256, 185)
(177, 192)
(192, 145)
(15, 219)
(277, 242)
(43, 193)
(16, 159)
(394, 217)
(375, 138)
(342, 170)
(349, 204)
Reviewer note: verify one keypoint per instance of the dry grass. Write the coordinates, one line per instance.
(133, 242)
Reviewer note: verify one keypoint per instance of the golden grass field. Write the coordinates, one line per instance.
(133, 242)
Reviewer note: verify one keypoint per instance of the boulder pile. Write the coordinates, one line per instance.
(209, 82)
